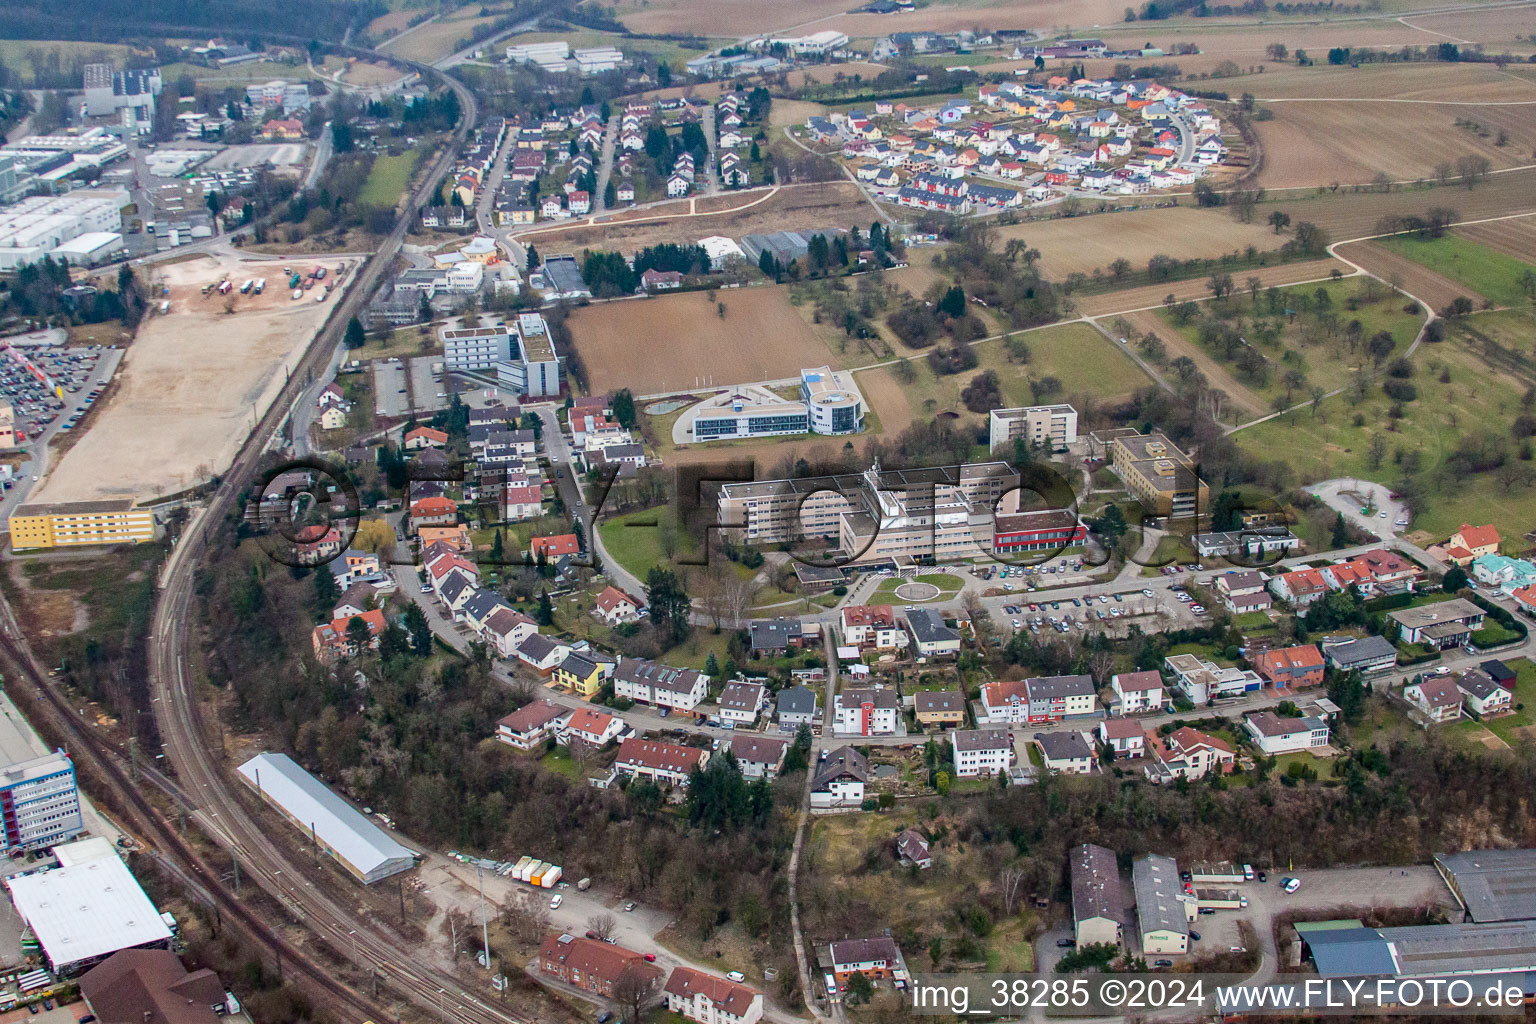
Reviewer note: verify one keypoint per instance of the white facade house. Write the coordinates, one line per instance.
(710, 1000)
(1275, 735)
(982, 752)
(866, 712)
(646, 682)
(741, 702)
(1138, 692)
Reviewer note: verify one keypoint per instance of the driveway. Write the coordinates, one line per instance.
(1349, 496)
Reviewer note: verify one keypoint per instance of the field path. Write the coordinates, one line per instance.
(1238, 395)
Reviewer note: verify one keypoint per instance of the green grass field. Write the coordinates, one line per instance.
(1483, 393)
(580, 39)
(388, 179)
(1510, 728)
(948, 586)
(1488, 272)
(14, 54)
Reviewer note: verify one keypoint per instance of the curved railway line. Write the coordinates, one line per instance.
(202, 788)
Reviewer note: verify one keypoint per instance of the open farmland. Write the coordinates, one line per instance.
(1517, 238)
(1440, 81)
(1345, 214)
(191, 384)
(790, 208)
(1318, 142)
(1083, 244)
(432, 41)
(1391, 264)
(15, 53)
(669, 343)
(1470, 266)
(1152, 295)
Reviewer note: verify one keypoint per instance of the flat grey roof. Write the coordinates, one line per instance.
(1158, 906)
(1493, 885)
(1455, 610)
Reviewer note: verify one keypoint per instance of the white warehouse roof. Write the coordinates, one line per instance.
(363, 848)
(89, 909)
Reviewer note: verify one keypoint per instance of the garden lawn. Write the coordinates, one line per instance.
(1480, 392)
(1520, 725)
(1486, 271)
(388, 179)
(948, 586)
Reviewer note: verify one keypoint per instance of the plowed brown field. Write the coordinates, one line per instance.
(1081, 244)
(1515, 237)
(1414, 278)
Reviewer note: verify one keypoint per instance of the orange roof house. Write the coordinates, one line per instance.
(331, 640)
(1291, 666)
(1471, 542)
(554, 547)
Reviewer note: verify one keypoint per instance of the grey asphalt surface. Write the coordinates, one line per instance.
(388, 381)
(424, 390)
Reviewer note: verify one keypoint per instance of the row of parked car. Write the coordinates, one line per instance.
(34, 404)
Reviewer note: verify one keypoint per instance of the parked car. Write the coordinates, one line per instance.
(736, 976)
(650, 958)
(555, 901)
(1290, 885)
(1163, 963)
(1066, 943)
(628, 907)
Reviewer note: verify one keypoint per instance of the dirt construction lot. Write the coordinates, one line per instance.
(1081, 244)
(668, 343)
(191, 383)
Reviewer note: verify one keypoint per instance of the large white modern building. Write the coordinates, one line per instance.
(817, 44)
(829, 403)
(475, 348)
(86, 909)
(551, 56)
(37, 226)
(39, 803)
(367, 852)
(1053, 426)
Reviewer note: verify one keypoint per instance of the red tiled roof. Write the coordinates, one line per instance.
(612, 597)
(1139, 681)
(554, 547)
(869, 615)
(1304, 657)
(727, 995)
(433, 507)
(1478, 536)
(589, 721)
(658, 756)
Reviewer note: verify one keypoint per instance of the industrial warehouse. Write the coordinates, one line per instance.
(335, 826)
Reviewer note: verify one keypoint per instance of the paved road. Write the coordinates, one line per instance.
(605, 162)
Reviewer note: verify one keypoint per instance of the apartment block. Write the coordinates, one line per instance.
(80, 523)
(1053, 426)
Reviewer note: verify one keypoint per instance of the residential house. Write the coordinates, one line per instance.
(654, 280)
(1290, 667)
(541, 654)
(551, 548)
(456, 593)
(647, 682)
(1124, 736)
(520, 502)
(593, 727)
(1201, 681)
(912, 850)
(1436, 699)
(876, 959)
(1041, 699)
(592, 965)
(354, 600)
(1502, 573)
(506, 629)
(433, 512)
(1098, 899)
(740, 702)
(1243, 591)
(707, 999)
(931, 637)
(839, 779)
(333, 640)
(1370, 655)
(583, 674)
(797, 706)
(1188, 753)
(1137, 692)
(1066, 752)
(455, 538)
(778, 636)
(1485, 696)
(1440, 625)
(758, 755)
(981, 752)
(532, 724)
(1275, 735)
(615, 607)
(1300, 587)
(873, 711)
(939, 708)
(1471, 542)
(872, 626)
(660, 762)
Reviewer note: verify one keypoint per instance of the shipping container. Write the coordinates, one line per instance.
(319, 273)
(225, 287)
(517, 869)
(551, 876)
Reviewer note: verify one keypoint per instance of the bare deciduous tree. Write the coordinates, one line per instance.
(602, 925)
(1009, 881)
(632, 991)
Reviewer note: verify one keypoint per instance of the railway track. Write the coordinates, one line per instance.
(202, 788)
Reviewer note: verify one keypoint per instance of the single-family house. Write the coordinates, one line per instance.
(1290, 667)
(593, 727)
(1485, 696)
(583, 673)
(1188, 753)
(931, 637)
(758, 756)
(425, 437)
(532, 724)
(1275, 735)
(433, 512)
(912, 850)
(1439, 626)
(1300, 587)
(1470, 542)
(1124, 736)
(939, 708)
(1137, 692)
(549, 549)
(981, 752)
(1067, 752)
(839, 779)
(876, 959)
(740, 702)
(872, 626)
(1436, 699)
(1243, 591)
(1369, 655)
(541, 654)
(335, 639)
(506, 629)
(660, 762)
(777, 635)
(615, 607)
(797, 707)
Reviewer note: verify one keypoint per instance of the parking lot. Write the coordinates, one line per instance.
(34, 403)
(390, 395)
(428, 391)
